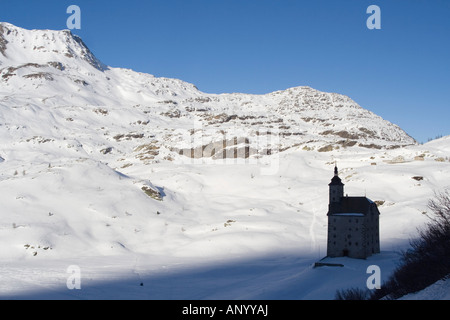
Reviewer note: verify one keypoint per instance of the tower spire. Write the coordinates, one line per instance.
(336, 187)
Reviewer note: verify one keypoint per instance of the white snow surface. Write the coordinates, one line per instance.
(440, 290)
(79, 140)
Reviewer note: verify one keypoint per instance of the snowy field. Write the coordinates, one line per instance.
(221, 231)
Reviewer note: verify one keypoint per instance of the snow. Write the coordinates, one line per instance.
(440, 290)
(220, 232)
(349, 214)
(74, 158)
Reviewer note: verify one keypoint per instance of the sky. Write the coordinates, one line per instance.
(400, 71)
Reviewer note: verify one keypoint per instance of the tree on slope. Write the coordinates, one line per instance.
(428, 259)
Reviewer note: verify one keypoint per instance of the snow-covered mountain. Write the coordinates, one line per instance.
(56, 75)
(122, 173)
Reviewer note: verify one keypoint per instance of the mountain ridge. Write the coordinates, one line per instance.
(63, 71)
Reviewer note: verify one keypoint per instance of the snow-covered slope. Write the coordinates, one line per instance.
(121, 173)
(54, 74)
(440, 290)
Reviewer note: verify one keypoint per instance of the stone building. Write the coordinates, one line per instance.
(353, 223)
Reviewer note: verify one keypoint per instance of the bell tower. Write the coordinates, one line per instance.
(336, 188)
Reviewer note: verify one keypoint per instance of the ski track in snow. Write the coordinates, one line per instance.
(313, 227)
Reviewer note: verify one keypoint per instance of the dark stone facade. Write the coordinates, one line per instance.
(353, 223)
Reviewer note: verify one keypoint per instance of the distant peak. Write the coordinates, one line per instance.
(7, 25)
(44, 43)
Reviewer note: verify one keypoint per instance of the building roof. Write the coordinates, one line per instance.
(336, 181)
(349, 214)
(352, 205)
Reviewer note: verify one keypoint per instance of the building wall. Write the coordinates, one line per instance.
(347, 236)
(336, 193)
(373, 231)
(355, 236)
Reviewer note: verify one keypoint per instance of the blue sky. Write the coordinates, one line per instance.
(401, 72)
